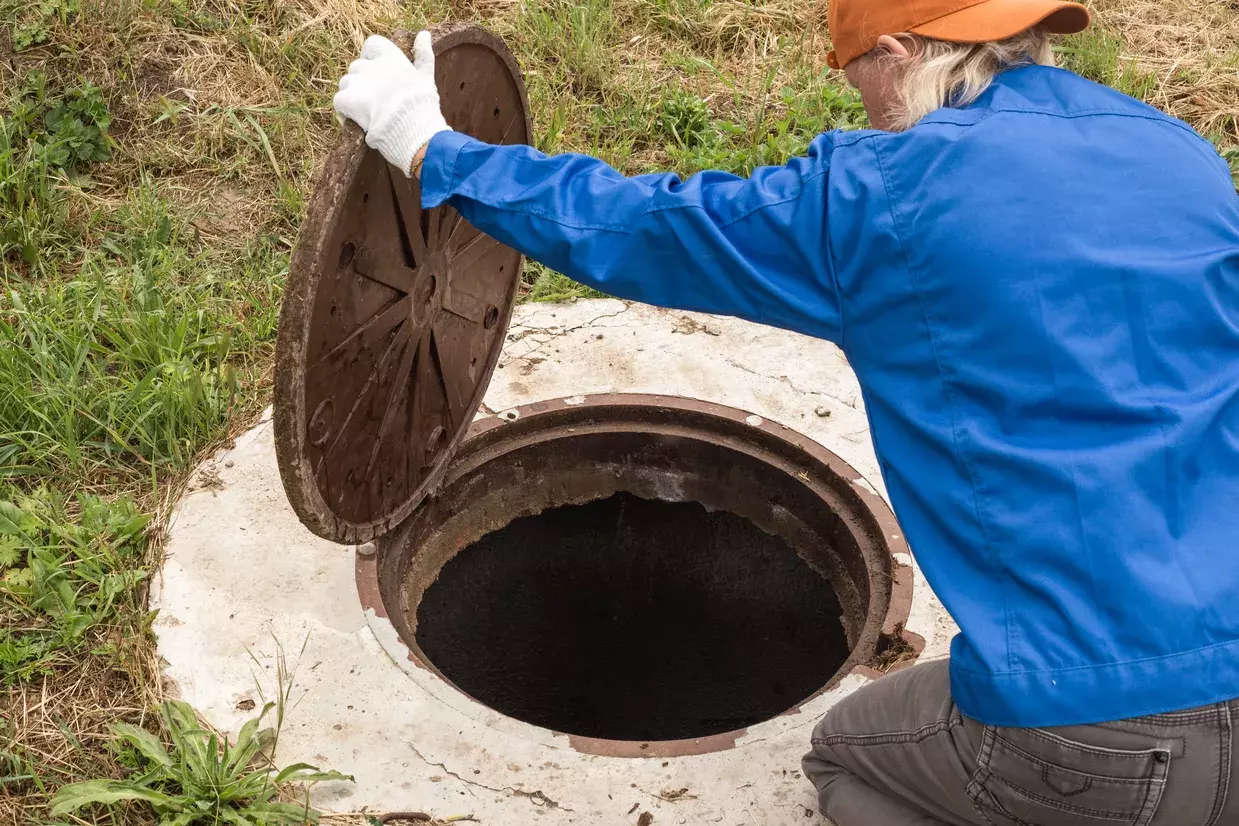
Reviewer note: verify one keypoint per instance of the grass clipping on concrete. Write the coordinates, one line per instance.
(155, 160)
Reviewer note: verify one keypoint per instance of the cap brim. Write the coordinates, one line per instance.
(1000, 19)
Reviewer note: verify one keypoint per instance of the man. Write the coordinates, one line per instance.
(1036, 279)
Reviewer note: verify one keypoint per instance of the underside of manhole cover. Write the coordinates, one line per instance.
(393, 316)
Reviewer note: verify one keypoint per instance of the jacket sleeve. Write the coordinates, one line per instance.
(755, 248)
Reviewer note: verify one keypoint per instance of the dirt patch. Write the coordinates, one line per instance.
(153, 77)
(893, 650)
(227, 211)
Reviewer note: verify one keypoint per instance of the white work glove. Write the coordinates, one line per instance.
(394, 101)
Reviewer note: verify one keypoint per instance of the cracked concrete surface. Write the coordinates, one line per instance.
(243, 577)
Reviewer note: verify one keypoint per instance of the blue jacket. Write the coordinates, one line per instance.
(1040, 296)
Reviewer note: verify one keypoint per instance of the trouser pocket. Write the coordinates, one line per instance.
(1032, 777)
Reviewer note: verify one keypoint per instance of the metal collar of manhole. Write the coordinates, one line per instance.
(393, 316)
(645, 575)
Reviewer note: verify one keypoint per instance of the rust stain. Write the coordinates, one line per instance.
(367, 576)
(655, 748)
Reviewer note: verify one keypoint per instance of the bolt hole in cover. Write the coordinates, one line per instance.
(394, 316)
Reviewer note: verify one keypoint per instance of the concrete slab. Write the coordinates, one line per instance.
(243, 578)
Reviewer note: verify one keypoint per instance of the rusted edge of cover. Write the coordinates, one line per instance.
(324, 211)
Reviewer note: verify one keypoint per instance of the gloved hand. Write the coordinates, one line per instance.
(394, 101)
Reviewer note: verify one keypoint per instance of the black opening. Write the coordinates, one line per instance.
(632, 619)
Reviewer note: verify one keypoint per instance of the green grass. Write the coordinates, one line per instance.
(575, 42)
(544, 284)
(134, 363)
(67, 568)
(155, 160)
(31, 21)
(783, 126)
(128, 343)
(48, 137)
(199, 778)
(32, 220)
(1231, 156)
(1098, 55)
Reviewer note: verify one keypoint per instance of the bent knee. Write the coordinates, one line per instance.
(822, 761)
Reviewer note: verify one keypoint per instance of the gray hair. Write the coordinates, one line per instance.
(956, 74)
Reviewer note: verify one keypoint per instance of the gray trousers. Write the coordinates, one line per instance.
(898, 752)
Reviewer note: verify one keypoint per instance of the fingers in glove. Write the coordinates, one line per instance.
(376, 46)
(350, 80)
(354, 105)
(362, 65)
(424, 54)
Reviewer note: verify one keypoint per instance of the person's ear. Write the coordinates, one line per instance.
(893, 46)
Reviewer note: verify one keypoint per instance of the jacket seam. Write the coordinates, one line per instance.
(1070, 455)
(833, 266)
(451, 167)
(534, 213)
(933, 342)
(626, 230)
(1089, 113)
(758, 208)
(1095, 666)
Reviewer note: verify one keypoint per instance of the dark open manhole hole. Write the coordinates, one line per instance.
(632, 619)
(643, 569)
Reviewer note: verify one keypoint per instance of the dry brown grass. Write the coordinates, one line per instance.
(60, 726)
(231, 127)
(1192, 48)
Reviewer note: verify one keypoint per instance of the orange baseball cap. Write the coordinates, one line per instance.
(856, 25)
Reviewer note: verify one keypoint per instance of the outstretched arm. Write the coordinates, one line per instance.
(755, 248)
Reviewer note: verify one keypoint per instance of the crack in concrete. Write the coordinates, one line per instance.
(537, 798)
(670, 795)
(852, 403)
(552, 333)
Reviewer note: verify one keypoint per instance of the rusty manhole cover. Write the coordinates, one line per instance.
(393, 316)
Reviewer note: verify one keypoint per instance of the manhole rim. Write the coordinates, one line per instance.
(501, 433)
